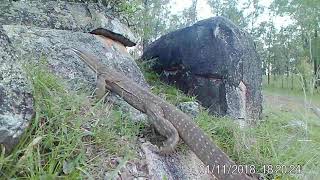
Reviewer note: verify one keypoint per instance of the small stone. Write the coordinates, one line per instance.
(191, 108)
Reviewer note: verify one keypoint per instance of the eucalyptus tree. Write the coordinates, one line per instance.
(306, 18)
(269, 38)
(256, 9)
(154, 20)
(190, 14)
(229, 9)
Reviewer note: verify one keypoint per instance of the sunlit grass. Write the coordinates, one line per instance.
(292, 86)
(66, 122)
(274, 141)
(165, 91)
(277, 140)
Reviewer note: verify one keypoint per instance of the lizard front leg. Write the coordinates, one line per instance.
(164, 127)
(101, 89)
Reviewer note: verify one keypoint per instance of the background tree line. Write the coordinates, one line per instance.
(290, 53)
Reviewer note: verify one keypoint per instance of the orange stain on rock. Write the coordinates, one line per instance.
(109, 43)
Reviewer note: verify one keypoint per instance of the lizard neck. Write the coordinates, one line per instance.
(91, 61)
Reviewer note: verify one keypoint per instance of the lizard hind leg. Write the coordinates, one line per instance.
(165, 128)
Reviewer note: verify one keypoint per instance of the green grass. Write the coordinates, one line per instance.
(292, 86)
(273, 141)
(65, 125)
(165, 91)
(292, 83)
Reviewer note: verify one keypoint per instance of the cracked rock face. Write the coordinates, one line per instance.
(34, 30)
(66, 16)
(16, 102)
(215, 61)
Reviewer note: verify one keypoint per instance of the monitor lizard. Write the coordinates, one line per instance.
(167, 119)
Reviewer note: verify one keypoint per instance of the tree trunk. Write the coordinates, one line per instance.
(305, 85)
(287, 68)
(275, 70)
(194, 11)
(315, 58)
(145, 25)
(292, 81)
(268, 74)
(287, 77)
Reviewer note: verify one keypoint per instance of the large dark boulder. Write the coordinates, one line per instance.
(217, 62)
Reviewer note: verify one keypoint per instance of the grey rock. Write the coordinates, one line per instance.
(16, 102)
(180, 165)
(21, 44)
(296, 124)
(217, 62)
(66, 16)
(191, 108)
(34, 43)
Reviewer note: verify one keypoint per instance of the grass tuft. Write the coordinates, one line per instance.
(292, 151)
(165, 91)
(64, 127)
(67, 126)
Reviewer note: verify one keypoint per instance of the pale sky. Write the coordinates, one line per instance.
(204, 11)
(202, 8)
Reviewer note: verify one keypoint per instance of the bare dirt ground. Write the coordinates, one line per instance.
(290, 103)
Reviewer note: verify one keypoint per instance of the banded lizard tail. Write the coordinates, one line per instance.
(168, 120)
